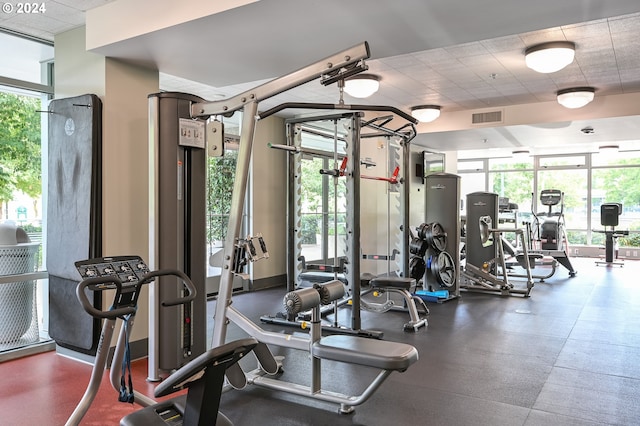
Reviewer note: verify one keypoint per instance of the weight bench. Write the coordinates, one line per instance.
(368, 352)
(401, 286)
(382, 355)
(385, 356)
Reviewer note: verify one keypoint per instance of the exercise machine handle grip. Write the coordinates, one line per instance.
(191, 288)
(97, 313)
(330, 172)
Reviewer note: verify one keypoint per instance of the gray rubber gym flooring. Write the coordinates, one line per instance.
(567, 355)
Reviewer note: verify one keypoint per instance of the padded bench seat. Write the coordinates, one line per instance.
(393, 282)
(369, 352)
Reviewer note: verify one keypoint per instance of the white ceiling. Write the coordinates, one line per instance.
(464, 56)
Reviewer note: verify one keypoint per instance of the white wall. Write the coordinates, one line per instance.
(77, 72)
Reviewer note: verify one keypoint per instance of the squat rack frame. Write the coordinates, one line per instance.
(354, 134)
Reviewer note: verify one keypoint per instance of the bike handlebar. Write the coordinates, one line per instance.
(97, 313)
(127, 310)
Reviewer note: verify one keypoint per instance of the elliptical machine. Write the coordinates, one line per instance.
(203, 376)
(547, 234)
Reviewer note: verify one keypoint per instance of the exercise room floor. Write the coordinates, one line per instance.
(567, 355)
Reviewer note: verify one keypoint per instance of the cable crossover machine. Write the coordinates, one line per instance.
(384, 356)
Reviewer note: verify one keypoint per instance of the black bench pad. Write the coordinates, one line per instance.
(370, 352)
(393, 282)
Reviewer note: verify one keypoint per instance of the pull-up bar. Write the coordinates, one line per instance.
(344, 63)
(304, 105)
(341, 172)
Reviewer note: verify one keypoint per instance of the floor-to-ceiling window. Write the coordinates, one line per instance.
(569, 174)
(25, 89)
(473, 179)
(615, 178)
(586, 180)
(512, 178)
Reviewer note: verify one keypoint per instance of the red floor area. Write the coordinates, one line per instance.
(57, 384)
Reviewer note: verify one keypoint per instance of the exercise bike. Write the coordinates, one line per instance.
(609, 213)
(203, 376)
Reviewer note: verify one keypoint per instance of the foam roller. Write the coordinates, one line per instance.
(333, 290)
(301, 300)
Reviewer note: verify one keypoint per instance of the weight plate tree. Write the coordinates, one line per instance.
(442, 268)
(434, 234)
(443, 207)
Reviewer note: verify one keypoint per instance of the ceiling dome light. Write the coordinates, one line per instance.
(362, 85)
(575, 97)
(550, 57)
(425, 113)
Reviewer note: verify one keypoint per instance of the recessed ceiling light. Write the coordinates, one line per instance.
(362, 85)
(575, 97)
(550, 57)
(425, 113)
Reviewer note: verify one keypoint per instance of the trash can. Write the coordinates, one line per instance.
(18, 312)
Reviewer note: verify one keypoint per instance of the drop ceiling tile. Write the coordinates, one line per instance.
(504, 44)
(522, 98)
(440, 84)
(592, 29)
(478, 85)
(82, 5)
(511, 60)
(543, 36)
(485, 63)
(44, 27)
(408, 85)
(65, 13)
(467, 49)
(627, 62)
(417, 72)
(630, 74)
(511, 89)
(402, 61)
(435, 56)
(624, 23)
(593, 44)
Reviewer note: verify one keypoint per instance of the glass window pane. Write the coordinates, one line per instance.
(617, 185)
(469, 183)
(27, 57)
(474, 165)
(573, 184)
(616, 158)
(321, 136)
(320, 222)
(573, 160)
(517, 186)
(20, 161)
(511, 163)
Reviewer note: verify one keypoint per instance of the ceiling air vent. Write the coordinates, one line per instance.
(486, 117)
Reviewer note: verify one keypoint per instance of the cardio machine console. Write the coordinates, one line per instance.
(128, 269)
